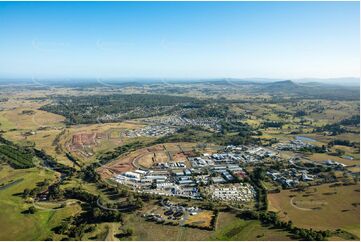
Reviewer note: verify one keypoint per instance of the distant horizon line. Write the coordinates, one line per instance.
(183, 78)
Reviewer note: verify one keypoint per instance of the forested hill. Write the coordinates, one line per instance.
(309, 90)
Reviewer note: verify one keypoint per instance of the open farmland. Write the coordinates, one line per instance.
(28, 119)
(323, 157)
(321, 207)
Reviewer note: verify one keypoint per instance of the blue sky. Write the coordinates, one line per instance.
(179, 39)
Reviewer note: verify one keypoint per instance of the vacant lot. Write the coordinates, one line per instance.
(321, 207)
(146, 157)
(149, 159)
(201, 219)
(120, 165)
(146, 160)
(161, 157)
(85, 142)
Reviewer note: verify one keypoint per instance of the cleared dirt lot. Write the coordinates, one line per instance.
(162, 153)
(86, 141)
(122, 164)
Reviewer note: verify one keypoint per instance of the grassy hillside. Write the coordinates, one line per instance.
(229, 227)
(12, 206)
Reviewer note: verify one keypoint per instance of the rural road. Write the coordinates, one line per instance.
(110, 209)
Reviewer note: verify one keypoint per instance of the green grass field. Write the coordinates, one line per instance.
(18, 226)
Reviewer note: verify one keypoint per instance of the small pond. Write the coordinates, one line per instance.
(303, 138)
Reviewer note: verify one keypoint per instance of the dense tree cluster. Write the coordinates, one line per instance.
(232, 133)
(79, 194)
(16, 156)
(342, 142)
(353, 121)
(72, 159)
(333, 129)
(89, 174)
(338, 128)
(40, 187)
(257, 176)
(48, 161)
(272, 124)
(300, 113)
(124, 233)
(213, 110)
(235, 126)
(314, 149)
